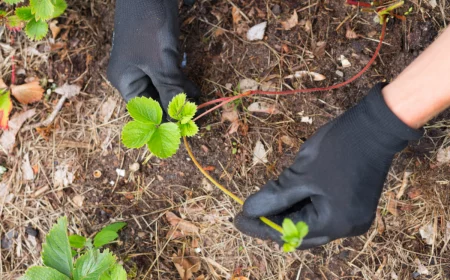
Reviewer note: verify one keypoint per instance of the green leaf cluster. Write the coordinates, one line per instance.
(293, 234)
(162, 139)
(35, 16)
(92, 264)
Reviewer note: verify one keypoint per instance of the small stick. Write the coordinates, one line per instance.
(50, 118)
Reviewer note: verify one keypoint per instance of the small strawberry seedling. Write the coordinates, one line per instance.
(293, 234)
(91, 263)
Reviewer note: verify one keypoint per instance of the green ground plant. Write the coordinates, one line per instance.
(60, 250)
(33, 17)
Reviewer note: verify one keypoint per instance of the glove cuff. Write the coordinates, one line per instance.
(379, 133)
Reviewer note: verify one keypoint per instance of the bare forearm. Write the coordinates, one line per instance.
(422, 90)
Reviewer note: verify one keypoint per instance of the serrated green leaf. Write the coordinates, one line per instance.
(59, 7)
(165, 140)
(180, 109)
(136, 134)
(115, 273)
(42, 9)
(11, 2)
(93, 264)
(289, 229)
(302, 229)
(145, 110)
(115, 226)
(104, 237)
(288, 248)
(24, 13)
(189, 129)
(36, 30)
(40, 272)
(13, 22)
(56, 252)
(77, 241)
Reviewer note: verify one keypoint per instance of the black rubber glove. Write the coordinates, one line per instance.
(144, 58)
(336, 180)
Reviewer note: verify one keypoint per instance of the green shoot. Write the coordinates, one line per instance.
(162, 139)
(293, 234)
(92, 264)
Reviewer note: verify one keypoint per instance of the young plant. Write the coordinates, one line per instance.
(163, 140)
(34, 17)
(57, 257)
(293, 234)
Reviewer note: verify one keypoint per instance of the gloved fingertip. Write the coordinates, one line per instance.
(309, 243)
(191, 90)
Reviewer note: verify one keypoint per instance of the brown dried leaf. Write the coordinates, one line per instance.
(308, 26)
(291, 22)
(392, 203)
(28, 93)
(237, 17)
(8, 137)
(185, 227)
(288, 140)
(351, 34)
(263, 107)
(319, 48)
(54, 28)
(414, 193)
(231, 115)
(380, 223)
(186, 265)
(68, 90)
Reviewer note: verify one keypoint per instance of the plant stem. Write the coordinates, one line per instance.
(223, 189)
(223, 101)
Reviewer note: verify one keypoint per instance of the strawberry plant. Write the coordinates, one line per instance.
(33, 17)
(91, 263)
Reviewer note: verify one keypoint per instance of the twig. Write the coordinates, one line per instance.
(50, 118)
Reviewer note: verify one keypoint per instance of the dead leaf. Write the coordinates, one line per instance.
(8, 137)
(248, 84)
(427, 233)
(68, 90)
(319, 48)
(443, 155)
(237, 17)
(392, 203)
(78, 200)
(107, 109)
(307, 74)
(414, 193)
(308, 26)
(351, 34)
(63, 177)
(54, 28)
(263, 107)
(181, 226)
(291, 22)
(344, 61)
(231, 115)
(288, 140)
(206, 185)
(257, 32)
(380, 223)
(186, 265)
(28, 93)
(259, 153)
(421, 269)
(27, 170)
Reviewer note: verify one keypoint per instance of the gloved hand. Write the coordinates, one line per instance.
(144, 58)
(335, 182)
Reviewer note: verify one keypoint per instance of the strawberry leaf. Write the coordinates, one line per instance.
(188, 129)
(36, 30)
(77, 241)
(39, 273)
(56, 252)
(42, 9)
(5, 108)
(116, 272)
(180, 109)
(136, 134)
(24, 13)
(14, 23)
(104, 237)
(11, 2)
(165, 141)
(59, 7)
(302, 228)
(145, 110)
(115, 226)
(93, 264)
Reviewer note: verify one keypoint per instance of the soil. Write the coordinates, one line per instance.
(215, 59)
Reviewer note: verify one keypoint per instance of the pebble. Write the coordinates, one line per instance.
(276, 9)
(340, 73)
